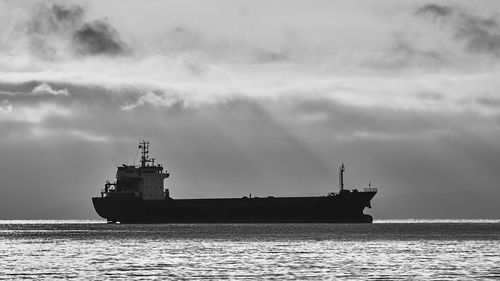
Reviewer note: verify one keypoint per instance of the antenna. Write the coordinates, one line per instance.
(144, 145)
(341, 177)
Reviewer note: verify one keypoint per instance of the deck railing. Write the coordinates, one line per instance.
(370, 189)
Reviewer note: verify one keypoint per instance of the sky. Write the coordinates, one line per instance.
(261, 97)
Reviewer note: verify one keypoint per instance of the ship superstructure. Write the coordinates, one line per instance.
(144, 182)
(139, 196)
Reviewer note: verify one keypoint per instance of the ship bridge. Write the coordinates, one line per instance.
(144, 181)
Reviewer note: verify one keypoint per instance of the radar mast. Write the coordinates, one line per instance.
(341, 177)
(144, 146)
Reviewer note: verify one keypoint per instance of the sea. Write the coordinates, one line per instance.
(384, 250)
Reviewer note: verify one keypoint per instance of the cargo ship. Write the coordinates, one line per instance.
(138, 196)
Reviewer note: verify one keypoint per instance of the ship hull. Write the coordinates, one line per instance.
(341, 208)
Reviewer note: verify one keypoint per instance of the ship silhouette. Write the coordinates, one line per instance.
(138, 196)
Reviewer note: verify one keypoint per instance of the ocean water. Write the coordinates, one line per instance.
(384, 250)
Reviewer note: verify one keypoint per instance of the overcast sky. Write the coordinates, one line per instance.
(262, 97)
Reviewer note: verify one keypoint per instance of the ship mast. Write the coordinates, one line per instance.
(144, 145)
(341, 177)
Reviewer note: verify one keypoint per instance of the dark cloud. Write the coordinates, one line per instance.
(55, 19)
(23, 87)
(72, 14)
(54, 30)
(480, 34)
(49, 25)
(435, 10)
(492, 102)
(98, 37)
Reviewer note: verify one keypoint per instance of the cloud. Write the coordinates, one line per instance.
(238, 103)
(435, 10)
(49, 28)
(153, 99)
(479, 33)
(406, 54)
(55, 19)
(98, 37)
(489, 101)
(5, 106)
(46, 89)
(31, 113)
(194, 70)
(57, 31)
(442, 38)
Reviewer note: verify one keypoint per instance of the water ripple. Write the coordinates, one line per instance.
(381, 251)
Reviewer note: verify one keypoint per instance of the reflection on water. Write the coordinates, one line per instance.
(410, 250)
